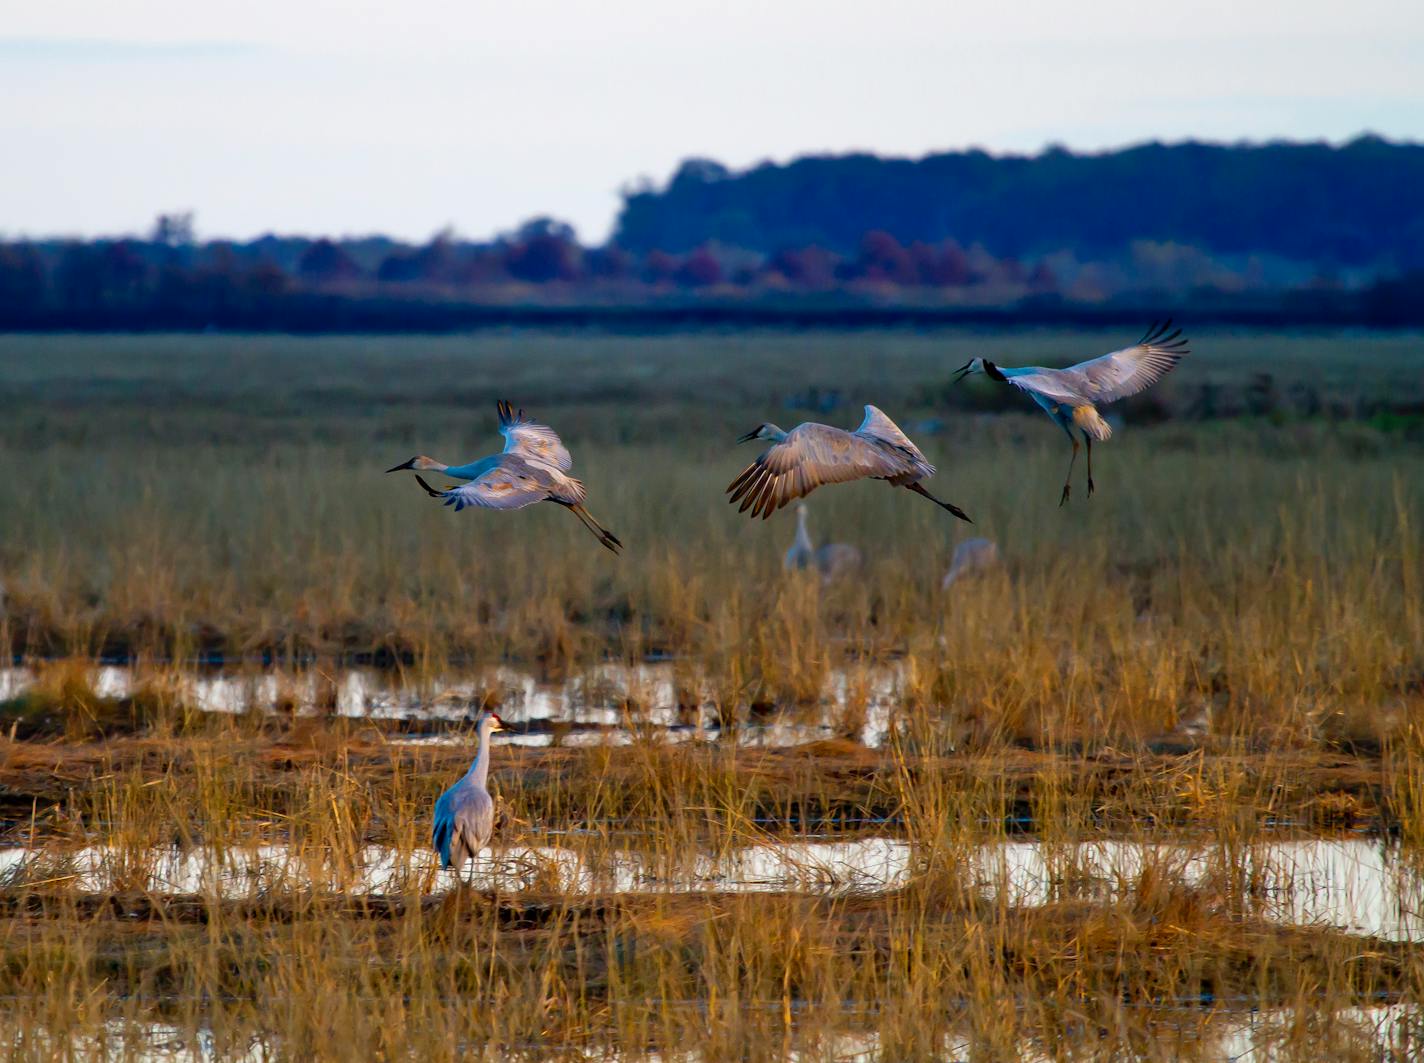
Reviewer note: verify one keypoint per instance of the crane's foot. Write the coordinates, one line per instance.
(1090, 487)
(1067, 490)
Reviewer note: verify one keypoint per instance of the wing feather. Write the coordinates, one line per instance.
(816, 454)
(879, 427)
(531, 439)
(512, 484)
(443, 829)
(1122, 373)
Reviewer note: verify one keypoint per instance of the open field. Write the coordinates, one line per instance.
(744, 815)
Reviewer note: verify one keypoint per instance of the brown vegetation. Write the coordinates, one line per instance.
(1218, 656)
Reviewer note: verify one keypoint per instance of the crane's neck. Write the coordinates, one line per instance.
(803, 537)
(479, 770)
(471, 470)
(775, 434)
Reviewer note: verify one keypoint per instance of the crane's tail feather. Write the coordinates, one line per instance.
(441, 836)
(1091, 422)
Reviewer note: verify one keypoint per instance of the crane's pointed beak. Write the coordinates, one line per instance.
(404, 465)
(749, 436)
(963, 372)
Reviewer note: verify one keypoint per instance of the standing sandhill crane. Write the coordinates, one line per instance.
(832, 560)
(1071, 396)
(533, 467)
(464, 814)
(811, 454)
(970, 556)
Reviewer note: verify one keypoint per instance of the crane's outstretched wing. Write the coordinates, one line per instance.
(878, 427)
(532, 440)
(503, 487)
(1130, 370)
(809, 456)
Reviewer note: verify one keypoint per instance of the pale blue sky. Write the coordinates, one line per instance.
(317, 116)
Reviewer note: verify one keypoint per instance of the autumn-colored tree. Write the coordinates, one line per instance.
(944, 266)
(659, 267)
(805, 267)
(479, 266)
(1042, 278)
(1011, 271)
(699, 270)
(882, 258)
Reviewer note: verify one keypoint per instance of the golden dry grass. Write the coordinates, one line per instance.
(1223, 648)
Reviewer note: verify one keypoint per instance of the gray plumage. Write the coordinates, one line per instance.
(464, 814)
(832, 560)
(1109, 377)
(1071, 396)
(970, 556)
(802, 552)
(811, 454)
(835, 560)
(533, 467)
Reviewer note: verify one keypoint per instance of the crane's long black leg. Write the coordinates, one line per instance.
(1068, 481)
(606, 537)
(944, 505)
(1089, 441)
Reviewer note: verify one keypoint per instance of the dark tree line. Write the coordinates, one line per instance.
(86, 277)
(1358, 204)
(1280, 232)
(278, 282)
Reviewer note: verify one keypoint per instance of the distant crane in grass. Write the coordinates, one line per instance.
(801, 460)
(832, 560)
(464, 814)
(970, 556)
(533, 467)
(1071, 396)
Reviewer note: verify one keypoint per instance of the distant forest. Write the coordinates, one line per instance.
(1278, 232)
(1361, 204)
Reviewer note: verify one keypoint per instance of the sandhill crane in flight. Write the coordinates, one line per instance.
(464, 814)
(832, 560)
(1071, 396)
(801, 460)
(533, 467)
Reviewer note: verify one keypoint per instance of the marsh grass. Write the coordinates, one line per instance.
(296, 953)
(1221, 649)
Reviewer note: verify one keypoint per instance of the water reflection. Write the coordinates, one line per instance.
(1348, 884)
(603, 705)
(1382, 1032)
